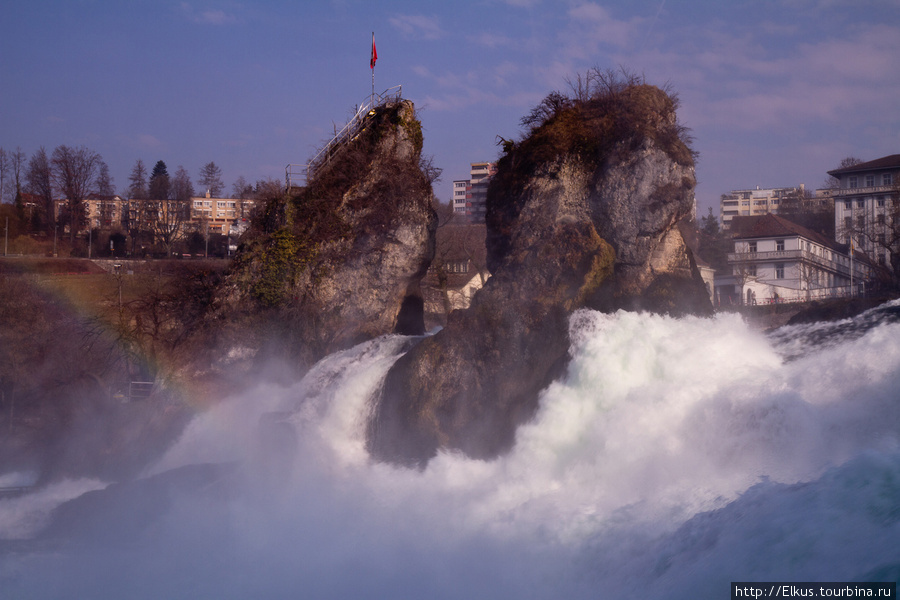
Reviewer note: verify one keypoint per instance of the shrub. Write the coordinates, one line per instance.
(607, 111)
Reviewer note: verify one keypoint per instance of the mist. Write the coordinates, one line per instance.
(675, 456)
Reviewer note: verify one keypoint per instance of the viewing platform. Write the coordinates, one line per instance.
(296, 175)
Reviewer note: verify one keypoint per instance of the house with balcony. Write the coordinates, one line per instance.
(776, 260)
(866, 207)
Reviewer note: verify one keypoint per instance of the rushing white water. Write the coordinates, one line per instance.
(676, 456)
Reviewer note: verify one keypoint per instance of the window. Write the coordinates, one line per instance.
(848, 223)
(887, 179)
(752, 247)
(779, 246)
(751, 270)
(881, 202)
(779, 271)
(860, 204)
(848, 204)
(457, 266)
(851, 182)
(880, 219)
(870, 180)
(881, 260)
(861, 221)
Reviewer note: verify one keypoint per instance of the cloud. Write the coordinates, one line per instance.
(491, 39)
(418, 26)
(207, 16)
(770, 78)
(598, 27)
(151, 142)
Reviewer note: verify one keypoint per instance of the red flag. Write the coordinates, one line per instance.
(374, 54)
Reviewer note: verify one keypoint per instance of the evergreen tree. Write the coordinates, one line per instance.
(159, 182)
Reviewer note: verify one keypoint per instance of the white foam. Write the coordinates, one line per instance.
(675, 456)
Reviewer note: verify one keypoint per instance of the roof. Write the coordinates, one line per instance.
(885, 162)
(771, 225)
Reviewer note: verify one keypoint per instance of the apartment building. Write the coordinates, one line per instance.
(866, 206)
(754, 202)
(470, 195)
(219, 215)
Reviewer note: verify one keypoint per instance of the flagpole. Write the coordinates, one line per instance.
(372, 64)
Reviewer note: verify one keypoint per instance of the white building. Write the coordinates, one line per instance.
(865, 206)
(775, 260)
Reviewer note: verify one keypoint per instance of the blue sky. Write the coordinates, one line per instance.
(776, 92)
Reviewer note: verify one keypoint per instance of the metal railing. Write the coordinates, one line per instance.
(8, 492)
(140, 389)
(838, 266)
(365, 109)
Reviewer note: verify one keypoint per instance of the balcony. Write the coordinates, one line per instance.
(859, 191)
(789, 255)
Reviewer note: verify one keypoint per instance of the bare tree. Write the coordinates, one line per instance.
(804, 208)
(40, 184)
(167, 219)
(137, 188)
(211, 179)
(877, 231)
(241, 189)
(182, 188)
(832, 182)
(74, 173)
(17, 166)
(105, 185)
(12, 173)
(4, 170)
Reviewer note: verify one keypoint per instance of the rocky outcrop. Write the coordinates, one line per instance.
(592, 223)
(343, 260)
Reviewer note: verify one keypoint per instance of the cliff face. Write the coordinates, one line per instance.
(585, 212)
(343, 259)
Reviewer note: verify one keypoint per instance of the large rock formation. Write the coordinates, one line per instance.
(584, 212)
(342, 260)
